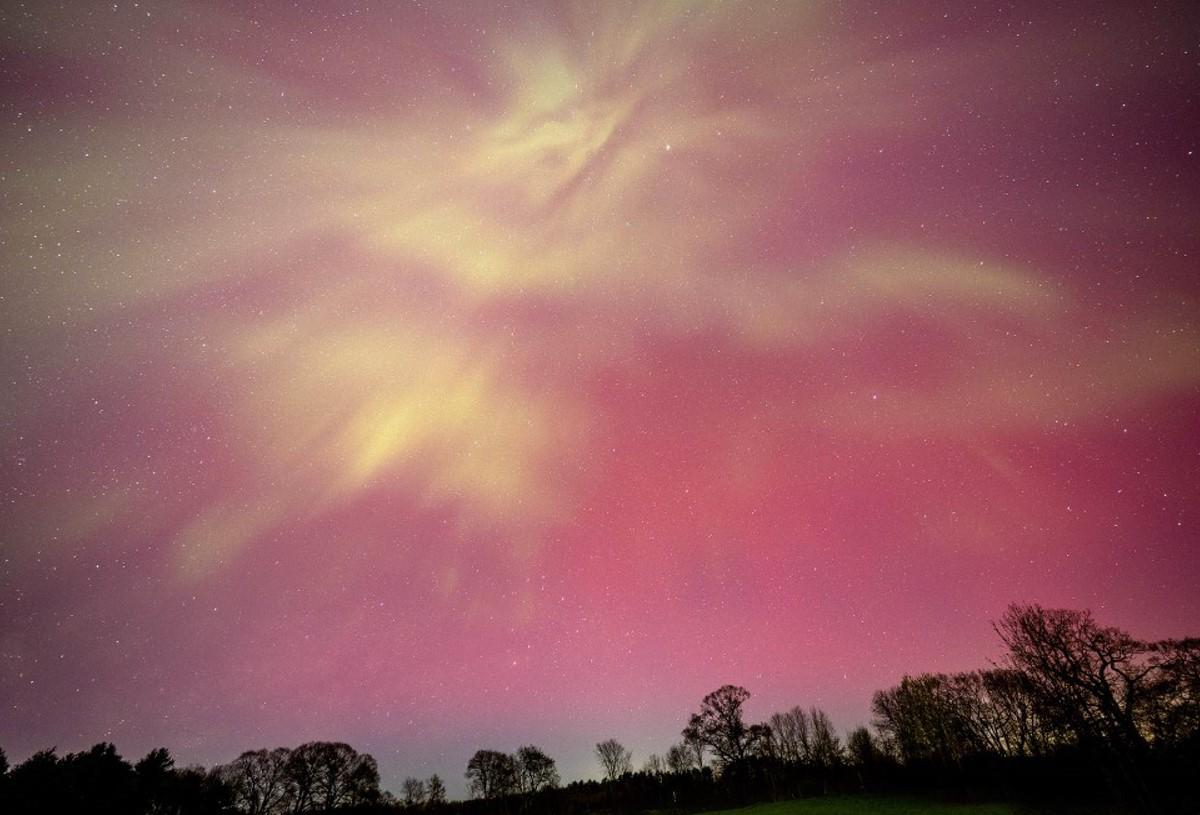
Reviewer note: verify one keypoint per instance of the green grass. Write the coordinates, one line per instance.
(868, 805)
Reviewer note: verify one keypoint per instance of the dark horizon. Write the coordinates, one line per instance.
(1008, 730)
(1077, 714)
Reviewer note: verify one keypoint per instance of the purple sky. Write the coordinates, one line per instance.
(447, 376)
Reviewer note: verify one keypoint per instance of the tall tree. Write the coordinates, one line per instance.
(491, 774)
(826, 747)
(942, 718)
(303, 770)
(535, 770)
(1099, 685)
(436, 790)
(865, 755)
(413, 792)
(693, 740)
(1093, 680)
(335, 763)
(760, 742)
(654, 765)
(614, 759)
(36, 784)
(332, 775)
(363, 785)
(259, 781)
(101, 781)
(719, 724)
(680, 759)
(862, 749)
(791, 735)
(1173, 716)
(996, 712)
(155, 778)
(923, 717)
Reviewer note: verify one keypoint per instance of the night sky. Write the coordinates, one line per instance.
(444, 376)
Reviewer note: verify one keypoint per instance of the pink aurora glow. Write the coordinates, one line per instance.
(444, 378)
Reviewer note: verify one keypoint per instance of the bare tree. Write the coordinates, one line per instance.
(344, 777)
(862, 749)
(864, 754)
(791, 735)
(923, 717)
(259, 781)
(826, 747)
(363, 784)
(680, 759)
(614, 758)
(436, 790)
(1174, 714)
(1091, 679)
(996, 712)
(654, 765)
(535, 770)
(303, 769)
(943, 718)
(719, 724)
(491, 774)
(760, 741)
(335, 761)
(693, 740)
(1096, 683)
(413, 792)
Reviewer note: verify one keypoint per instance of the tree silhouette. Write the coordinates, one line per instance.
(37, 783)
(996, 711)
(826, 747)
(680, 758)
(1173, 714)
(654, 765)
(614, 759)
(320, 775)
(760, 742)
(491, 774)
(790, 732)
(1088, 678)
(259, 780)
(719, 724)
(693, 740)
(156, 777)
(344, 777)
(861, 748)
(1094, 682)
(535, 770)
(413, 792)
(101, 775)
(435, 790)
(304, 770)
(196, 791)
(1077, 705)
(923, 718)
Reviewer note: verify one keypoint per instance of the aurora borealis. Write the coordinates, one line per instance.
(436, 376)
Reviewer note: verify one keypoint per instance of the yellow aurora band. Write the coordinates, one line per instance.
(617, 173)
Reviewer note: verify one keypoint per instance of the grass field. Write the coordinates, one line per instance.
(868, 805)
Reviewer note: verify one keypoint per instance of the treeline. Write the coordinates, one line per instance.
(1078, 709)
(1077, 714)
(317, 777)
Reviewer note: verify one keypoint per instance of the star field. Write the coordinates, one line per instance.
(442, 376)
